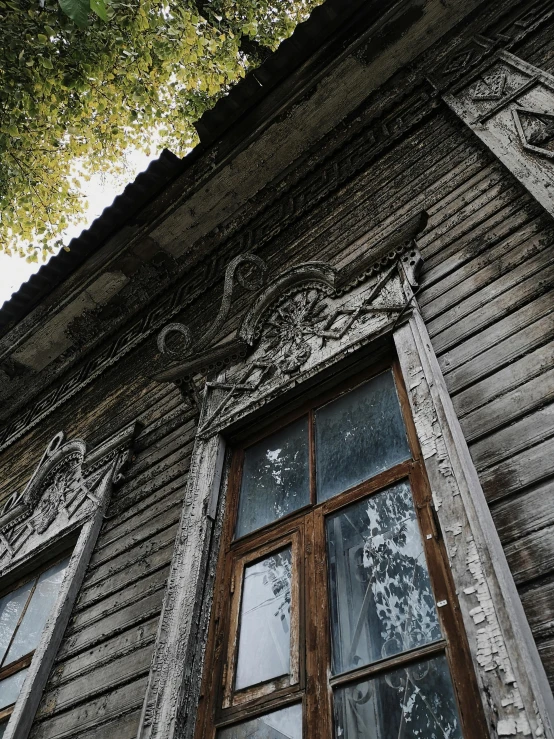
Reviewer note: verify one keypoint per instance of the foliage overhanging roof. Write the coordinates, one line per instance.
(212, 126)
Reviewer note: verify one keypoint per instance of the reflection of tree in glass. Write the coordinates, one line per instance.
(397, 574)
(413, 702)
(278, 576)
(274, 478)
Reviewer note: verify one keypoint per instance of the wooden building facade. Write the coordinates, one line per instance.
(354, 268)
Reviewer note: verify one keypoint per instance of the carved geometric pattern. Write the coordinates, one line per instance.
(490, 88)
(288, 326)
(62, 489)
(536, 130)
(247, 382)
(460, 61)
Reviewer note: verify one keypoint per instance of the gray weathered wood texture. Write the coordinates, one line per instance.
(488, 302)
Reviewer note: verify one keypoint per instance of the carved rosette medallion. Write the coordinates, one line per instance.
(298, 318)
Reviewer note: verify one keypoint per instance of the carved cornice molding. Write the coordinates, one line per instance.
(67, 486)
(475, 51)
(309, 310)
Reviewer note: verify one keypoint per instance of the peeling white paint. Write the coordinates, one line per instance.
(492, 654)
(455, 529)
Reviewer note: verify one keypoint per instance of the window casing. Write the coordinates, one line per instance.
(350, 554)
(24, 610)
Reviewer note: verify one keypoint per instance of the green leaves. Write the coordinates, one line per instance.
(77, 10)
(81, 81)
(98, 7)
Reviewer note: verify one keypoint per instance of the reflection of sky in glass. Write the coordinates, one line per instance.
(38, 610)
(274, 477)
(283, 724)
(358, 435)
(11, 607)
(264, 641)
(10, 687)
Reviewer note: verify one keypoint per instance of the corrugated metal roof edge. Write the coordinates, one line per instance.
(257, 84)
(159, 173)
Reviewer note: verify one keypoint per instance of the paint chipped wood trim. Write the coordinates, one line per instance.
(108, 459)
(511, 676)
(499, 101)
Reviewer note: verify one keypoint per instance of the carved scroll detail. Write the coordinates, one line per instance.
(234, 271)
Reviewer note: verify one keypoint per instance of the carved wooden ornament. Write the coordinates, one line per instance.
(67, 487)
(509, 104)
(67, 494)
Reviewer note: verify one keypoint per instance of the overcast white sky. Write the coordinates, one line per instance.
(100, 192)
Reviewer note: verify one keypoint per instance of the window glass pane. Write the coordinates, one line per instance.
(38, 610)
(10, 687)
(275, 478)
(381, 598)
(358, 435)
(283, 724)
(264, 642)
(3, 728)
(416, 701)
(11, 607)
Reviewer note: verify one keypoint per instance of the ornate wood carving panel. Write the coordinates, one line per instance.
(509, 104)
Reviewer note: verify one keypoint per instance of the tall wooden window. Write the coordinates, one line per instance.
(24, 610)
(334, 613)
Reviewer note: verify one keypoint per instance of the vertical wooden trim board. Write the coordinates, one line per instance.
(510, 673)
(508, 103)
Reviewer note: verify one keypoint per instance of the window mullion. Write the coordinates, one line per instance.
(318, 644)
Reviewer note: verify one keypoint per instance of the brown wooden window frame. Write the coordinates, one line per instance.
(218, 706)
(20, 664)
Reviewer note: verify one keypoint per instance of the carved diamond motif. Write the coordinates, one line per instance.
(460, 61)
(536, 130)
(490, 88)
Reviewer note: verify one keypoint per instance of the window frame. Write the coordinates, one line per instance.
(309, 522)
(25, 661)
(53, 539)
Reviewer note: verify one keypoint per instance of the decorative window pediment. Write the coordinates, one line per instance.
(67, 486)
(298, 323)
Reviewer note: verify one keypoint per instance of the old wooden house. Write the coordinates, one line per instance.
(277, 433)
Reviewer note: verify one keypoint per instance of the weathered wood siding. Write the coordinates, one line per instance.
(487, 298)
(98, 682)
(101, 669)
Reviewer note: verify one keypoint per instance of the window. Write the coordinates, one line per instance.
(24, 611)
(334, 613)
